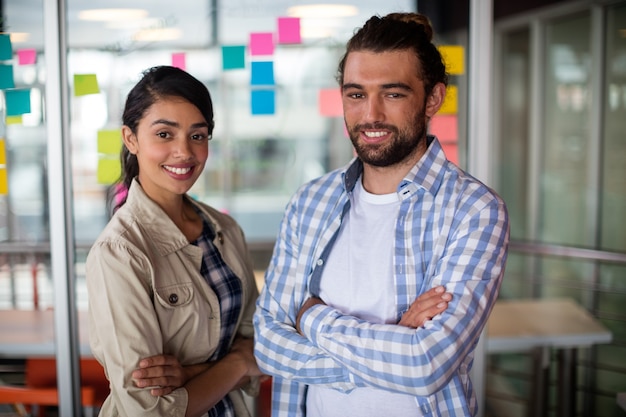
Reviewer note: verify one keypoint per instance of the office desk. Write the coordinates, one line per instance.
(541, 325)
(28, 333)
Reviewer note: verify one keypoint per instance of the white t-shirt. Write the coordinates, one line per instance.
(358, 281)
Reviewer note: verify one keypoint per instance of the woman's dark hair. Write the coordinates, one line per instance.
(157, 83)
(396, 32)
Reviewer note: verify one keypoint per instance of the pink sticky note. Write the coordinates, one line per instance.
(329, 102)
(289, 30)
(451, 149)
(445, 127)
(262, 43)
(178, 60)
(26, 56)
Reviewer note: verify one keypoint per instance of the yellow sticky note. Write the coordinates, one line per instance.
(14, 120)
(85, 84)
(4, 183)
(450, 103)
(109, 142)
(3, 155)
(453, 57)
(109, 170)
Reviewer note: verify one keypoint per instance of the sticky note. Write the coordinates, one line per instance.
(453, 57)
(179, 60)
(451, 150)
(6, 77)
(6, 51)
(109, 170)
(445, 127)
(4, 183)
(329, 102)
(3, 155)
(109, 142)
(450, 103)
(17, 102)
(26, 56)
(233, 57)
(85, 84)
(261, 43)
(262, 73)
(289, 30)
(263, 102)
(14, 120)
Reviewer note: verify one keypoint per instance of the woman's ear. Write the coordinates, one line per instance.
(130, 139)
(435, 99)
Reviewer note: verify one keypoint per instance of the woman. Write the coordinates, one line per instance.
(170, 281)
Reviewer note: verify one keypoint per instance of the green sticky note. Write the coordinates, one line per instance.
(85, 84)
(233, 57)
(109, 142)
(109, 170)
(17, 101)
(6, 77)
(6, 51)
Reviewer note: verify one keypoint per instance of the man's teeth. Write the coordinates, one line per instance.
(178, 171)
(375, 134)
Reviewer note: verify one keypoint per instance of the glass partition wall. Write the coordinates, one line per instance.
(560, 132)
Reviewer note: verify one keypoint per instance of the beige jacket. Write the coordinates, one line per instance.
(147, 297)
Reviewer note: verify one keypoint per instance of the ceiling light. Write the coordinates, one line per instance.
(322, 10)
(159, 34)
(108, 15)
(132, 24)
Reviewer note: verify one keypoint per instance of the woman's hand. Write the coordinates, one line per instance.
(163, 373)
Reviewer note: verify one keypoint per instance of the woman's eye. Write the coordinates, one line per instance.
(163, 135)
(199, 136)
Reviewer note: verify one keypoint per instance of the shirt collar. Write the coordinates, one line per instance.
(426, 173)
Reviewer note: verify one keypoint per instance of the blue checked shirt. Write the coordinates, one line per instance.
(451, 230)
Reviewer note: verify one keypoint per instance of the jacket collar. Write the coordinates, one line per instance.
(157, 226)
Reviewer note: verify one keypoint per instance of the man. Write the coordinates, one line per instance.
(361, 245)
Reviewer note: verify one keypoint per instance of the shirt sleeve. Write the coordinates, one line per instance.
(422, 361)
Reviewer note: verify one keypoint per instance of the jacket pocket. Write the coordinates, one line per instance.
(174, 296)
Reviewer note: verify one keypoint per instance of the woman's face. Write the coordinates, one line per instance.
(171, 145)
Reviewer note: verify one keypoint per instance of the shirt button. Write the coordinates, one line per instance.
(173, 298)
(320, 262)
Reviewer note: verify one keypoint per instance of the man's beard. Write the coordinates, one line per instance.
(403, 142)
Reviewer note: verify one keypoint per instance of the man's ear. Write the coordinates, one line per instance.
(435, 100)
(130, 139)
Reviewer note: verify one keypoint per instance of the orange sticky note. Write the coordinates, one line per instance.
(445, 127)
(329, 102)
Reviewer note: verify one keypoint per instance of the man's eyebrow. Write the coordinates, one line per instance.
(401, 86)
(388, 86)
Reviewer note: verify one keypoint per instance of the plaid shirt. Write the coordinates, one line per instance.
(228, 289)
(451, 230)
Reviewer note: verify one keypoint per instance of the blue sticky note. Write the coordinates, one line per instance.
(263, 101)
(6, 77)
(6, 51)
(262, 73)
(233, 57)
(17, 101)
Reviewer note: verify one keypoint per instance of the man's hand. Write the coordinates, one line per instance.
(307, 304)
(425, 307)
